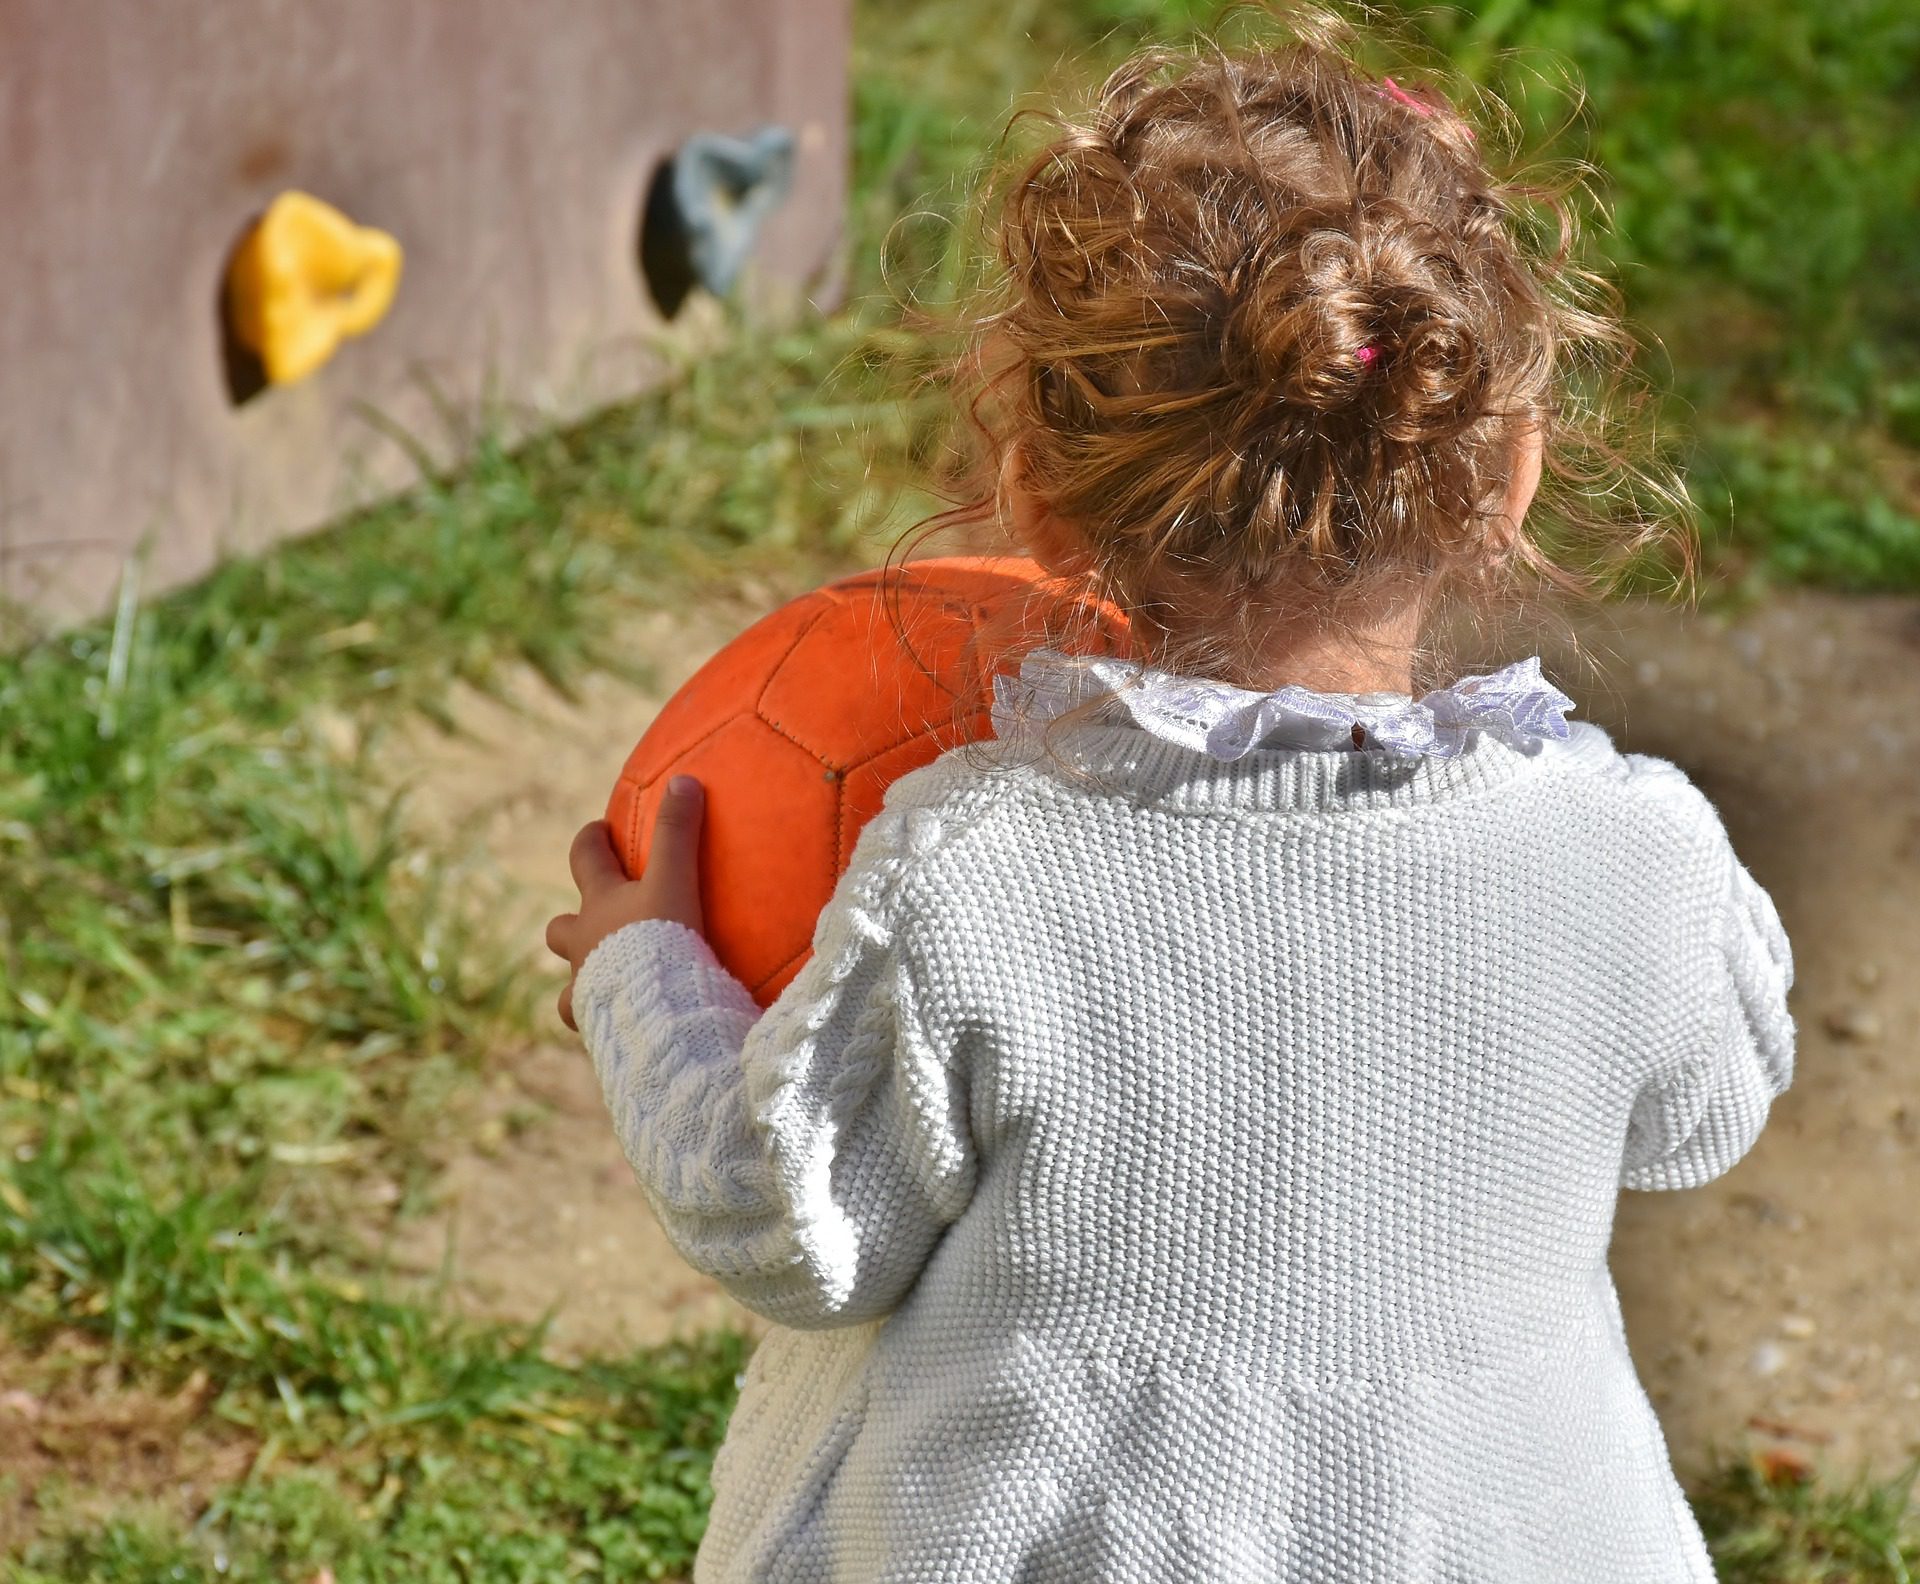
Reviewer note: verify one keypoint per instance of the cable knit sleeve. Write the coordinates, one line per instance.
(1694, 1123)
(807, 1158)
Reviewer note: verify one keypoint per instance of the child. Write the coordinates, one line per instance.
(1192, 1148)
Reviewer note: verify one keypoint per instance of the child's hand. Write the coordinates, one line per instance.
(668, 888)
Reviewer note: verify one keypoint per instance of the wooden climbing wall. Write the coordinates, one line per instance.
(508, 146)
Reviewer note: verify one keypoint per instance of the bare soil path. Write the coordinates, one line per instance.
(1779, 1305)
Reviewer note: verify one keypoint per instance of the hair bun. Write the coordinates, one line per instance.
(1372, 321)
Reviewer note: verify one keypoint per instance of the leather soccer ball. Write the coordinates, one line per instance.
(797, 727)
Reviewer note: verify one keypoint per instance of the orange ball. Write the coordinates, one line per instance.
(798, 726)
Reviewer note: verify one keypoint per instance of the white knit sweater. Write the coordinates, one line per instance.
(1208, 1176)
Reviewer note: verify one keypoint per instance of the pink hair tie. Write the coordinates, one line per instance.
(1395, 92)
(1364, 355)
(1389, 89)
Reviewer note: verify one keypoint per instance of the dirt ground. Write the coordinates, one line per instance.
(1777, 1306)
(86, 1442)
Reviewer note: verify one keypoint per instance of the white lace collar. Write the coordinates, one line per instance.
(1516, 704)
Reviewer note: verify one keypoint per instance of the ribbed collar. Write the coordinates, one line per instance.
(1128, 762)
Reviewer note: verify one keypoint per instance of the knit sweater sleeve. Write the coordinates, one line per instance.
(1697, 1118)
(808, 1157)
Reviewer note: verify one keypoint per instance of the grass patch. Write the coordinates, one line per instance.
(242, 1007)
(239, 1004)
(1773, 1531)
(510, 1469)
(1762, 165)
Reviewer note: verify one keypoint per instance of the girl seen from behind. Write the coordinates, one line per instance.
(1192, 1149)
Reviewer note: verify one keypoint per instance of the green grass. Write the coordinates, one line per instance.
(1772, 1531)
(438, 1455)
(1762, 164)
(241, 1006)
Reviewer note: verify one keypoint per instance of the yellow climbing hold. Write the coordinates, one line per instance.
(305, 278)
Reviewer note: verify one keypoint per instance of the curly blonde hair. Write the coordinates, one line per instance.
(1272, 333)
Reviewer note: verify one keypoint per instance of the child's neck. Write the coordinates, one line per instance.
(1336, 670)
(1373, 658)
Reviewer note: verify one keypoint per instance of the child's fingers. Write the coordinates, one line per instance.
(594, 863)
(560, 930)
(566, 1007)
(673, 856)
